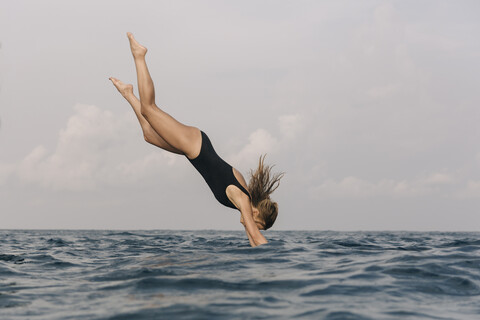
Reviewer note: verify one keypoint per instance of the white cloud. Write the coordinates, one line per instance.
(353, 187)
(290, 125)
(95, 148)
(438, 179)
(471, 190)
(259, 142)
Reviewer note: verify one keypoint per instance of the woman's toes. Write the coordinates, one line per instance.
(122, 87)
(137, 49)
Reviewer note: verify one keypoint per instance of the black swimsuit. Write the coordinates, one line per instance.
(217, 173)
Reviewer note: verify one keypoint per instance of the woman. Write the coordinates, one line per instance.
(258, 212)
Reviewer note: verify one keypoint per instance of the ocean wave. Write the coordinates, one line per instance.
(12, 258)
(211, 274)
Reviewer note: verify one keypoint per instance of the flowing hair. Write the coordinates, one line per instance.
(262, 183)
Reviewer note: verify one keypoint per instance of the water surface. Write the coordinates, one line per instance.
(164, 274)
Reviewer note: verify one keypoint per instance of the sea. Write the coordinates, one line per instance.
(211, 274)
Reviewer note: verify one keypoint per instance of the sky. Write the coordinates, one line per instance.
(371, 108)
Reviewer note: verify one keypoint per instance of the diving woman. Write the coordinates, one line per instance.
(258, 211)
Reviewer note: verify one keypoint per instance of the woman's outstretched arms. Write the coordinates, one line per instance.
(242, 202)
(255, 237)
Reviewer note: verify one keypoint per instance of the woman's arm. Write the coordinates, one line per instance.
(252, 243)
(242, 202)
(254, 235)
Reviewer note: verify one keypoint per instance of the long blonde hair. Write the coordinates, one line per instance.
(262, 183)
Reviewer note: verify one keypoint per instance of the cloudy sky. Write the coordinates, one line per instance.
(372, 108)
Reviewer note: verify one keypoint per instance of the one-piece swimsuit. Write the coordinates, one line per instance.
(217, 173)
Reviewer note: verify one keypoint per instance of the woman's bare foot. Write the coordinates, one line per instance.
(124, 89)
(138, 51)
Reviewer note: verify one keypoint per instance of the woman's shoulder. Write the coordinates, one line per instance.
(240, 178)
(237, 197)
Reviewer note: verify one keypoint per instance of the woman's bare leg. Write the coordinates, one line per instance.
(150, 135)
(187, 139)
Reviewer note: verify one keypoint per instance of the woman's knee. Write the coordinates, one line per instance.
(148, 138)
(193, 142)
(147, 109)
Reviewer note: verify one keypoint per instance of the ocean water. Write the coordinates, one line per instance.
(165, 274)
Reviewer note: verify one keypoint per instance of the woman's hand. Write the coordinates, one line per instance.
(254, 235)
(242, 202)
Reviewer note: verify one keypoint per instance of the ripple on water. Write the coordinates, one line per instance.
(58, 242)
(12, 301)
(12, 258)
(400, 314)
(349, 290)
(345, 315)
(217, 275)
(136, 273)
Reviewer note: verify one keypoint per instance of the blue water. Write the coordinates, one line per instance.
(217, 275)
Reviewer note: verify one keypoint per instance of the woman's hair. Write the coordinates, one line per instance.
(262, 183)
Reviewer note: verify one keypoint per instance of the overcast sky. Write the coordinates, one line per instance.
(372, 108)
